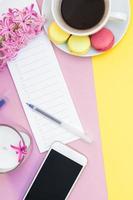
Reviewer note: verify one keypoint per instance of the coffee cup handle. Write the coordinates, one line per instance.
(121, 16)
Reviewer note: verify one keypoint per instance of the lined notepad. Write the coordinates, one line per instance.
(39, 80)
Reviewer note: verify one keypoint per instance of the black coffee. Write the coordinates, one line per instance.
(82, 14)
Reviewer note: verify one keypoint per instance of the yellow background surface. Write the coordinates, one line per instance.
(113, 73)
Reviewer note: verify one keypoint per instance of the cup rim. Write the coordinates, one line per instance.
(17, 132)
(86, 32)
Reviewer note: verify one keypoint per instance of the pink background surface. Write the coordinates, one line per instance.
(78, 74)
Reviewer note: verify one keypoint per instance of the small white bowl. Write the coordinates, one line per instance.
(10, 141)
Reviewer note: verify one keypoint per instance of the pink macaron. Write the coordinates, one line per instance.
(103, 40)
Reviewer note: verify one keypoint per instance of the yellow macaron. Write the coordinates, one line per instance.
(56, 34)
(79, 45)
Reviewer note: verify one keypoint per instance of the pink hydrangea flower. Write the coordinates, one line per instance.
(17, 27)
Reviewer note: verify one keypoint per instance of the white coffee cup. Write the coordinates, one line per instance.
(108, 15)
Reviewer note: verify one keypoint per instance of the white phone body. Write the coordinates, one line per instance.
(70, 154)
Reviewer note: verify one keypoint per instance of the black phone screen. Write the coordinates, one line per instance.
(55, 178)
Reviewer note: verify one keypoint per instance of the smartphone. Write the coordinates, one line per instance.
(57, 175)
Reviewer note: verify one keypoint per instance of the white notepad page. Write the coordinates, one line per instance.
(39, 80)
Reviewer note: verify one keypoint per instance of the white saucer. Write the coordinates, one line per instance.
(118, 28)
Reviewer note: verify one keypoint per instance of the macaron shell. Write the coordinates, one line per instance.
(109, 46)
(102, 40)
(56, 34)
(79, 45)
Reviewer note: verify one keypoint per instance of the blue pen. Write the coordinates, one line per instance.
(2, 102)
